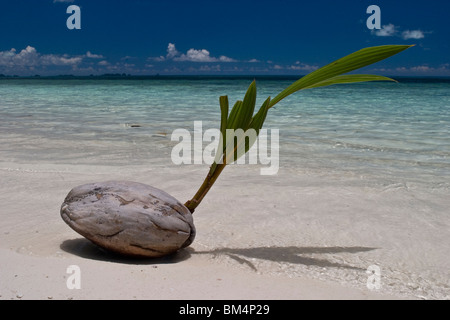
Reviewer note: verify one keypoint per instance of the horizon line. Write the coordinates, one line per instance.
(193, 76)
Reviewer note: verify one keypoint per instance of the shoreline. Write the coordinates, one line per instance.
(121, 76)
(192, 277)
(310, 240)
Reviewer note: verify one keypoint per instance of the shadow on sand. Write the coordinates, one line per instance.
(292, 254)
(296, 255)
(84, 248)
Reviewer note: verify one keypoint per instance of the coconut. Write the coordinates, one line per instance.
(129, 218)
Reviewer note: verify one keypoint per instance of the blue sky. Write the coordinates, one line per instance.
(226, 37)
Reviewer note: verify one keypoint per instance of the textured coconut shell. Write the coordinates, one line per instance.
(129, 218)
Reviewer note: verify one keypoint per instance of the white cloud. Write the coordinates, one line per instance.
(253, 60)
(30, 59)
(390, 30)
(202, 55)
(422, 69)
(103, 63)
(414, 34)
(63, 1)
(418, 69)
(226, 59)
(171, 51)
(192, 55)
(298, 66)
(196, 56)
(386, 31)
(157, 59)
(55, 60)
(441, 70)
(94, 56)
(207, 68)
(118, 67)
(302, 66)
(204, 68)
(26, 57)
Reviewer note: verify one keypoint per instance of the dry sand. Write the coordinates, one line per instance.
(289, 236)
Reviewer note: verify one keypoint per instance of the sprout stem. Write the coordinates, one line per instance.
(204, 188)
(241, 115)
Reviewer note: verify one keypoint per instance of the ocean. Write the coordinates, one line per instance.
(363, 178)
(387, 131)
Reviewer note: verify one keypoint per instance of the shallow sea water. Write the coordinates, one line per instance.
(387, 141)
(387, 129)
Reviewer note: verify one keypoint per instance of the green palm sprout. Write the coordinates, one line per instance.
(242, 114)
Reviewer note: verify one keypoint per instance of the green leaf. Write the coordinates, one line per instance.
(259, 118)
(244, 112)
(234, 114)
(223, 101)
(243, 143)
(236, 143)
(356, 60)
(350, 78)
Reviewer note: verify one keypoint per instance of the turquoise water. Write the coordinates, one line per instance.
(397, 131)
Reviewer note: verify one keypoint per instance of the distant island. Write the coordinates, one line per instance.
(124, 76)
(71, 76)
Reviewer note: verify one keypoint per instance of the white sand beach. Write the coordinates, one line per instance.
(341, 121)
(362, 184)
(290, 236)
